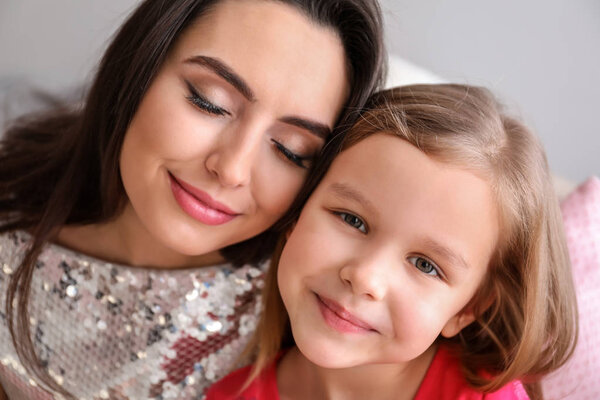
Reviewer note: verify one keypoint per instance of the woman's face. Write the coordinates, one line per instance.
(221, 142)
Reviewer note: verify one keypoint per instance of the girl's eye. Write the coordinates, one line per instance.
(296, 159)
(425, 266)
(202, 103)
(352, 220)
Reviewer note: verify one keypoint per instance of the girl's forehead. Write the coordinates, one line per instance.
(408, 195)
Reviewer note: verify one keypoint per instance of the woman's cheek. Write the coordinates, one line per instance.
(277, 186)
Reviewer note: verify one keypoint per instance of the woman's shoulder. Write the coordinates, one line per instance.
(445, 380)
(151, 331)
(14, 244)
(82, 281)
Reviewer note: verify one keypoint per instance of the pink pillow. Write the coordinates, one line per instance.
(579, 378)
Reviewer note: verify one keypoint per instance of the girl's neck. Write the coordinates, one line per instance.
(299, 378)
(125, 241)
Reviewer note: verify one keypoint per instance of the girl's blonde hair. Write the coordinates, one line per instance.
(526, 311)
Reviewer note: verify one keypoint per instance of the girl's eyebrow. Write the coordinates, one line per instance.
(346, 192)
(445, 252)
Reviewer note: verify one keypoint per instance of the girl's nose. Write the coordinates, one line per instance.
(233, 159)
(368, 276)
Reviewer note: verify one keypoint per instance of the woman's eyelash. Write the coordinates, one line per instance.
(201, 102)
(352, 220)
(426, 266)
(293, 157)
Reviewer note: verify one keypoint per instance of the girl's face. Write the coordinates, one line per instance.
(386, 255)
(220, 144)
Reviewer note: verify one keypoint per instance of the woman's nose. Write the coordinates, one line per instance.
(233, 159)
(368, 276)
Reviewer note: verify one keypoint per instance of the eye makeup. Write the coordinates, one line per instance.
(203, 103)
(301, 161)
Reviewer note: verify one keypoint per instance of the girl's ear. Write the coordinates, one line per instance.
(467, 314)
(457, 323)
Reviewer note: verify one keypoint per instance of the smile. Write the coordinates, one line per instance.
(199, 205)
(339, 319)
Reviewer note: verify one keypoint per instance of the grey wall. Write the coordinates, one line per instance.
(55, 44)
(541, 56)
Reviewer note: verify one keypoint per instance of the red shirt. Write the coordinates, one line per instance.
(264, 387)
(443, 381)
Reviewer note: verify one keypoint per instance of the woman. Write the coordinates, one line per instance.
(195, 137)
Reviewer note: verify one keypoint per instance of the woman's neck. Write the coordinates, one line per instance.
(298, 378)
(125, 241)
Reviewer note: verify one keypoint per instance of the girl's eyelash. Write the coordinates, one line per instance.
(293, 157)
(354, 221)
(423, 264)
(202, 103)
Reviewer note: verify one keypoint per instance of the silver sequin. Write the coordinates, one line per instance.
(71, 291)
(109, 331)
(6, 269)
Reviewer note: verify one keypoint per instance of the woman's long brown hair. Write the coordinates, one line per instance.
(526, 310)
(61, 167)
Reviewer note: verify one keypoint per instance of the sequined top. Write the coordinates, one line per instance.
(107, 331)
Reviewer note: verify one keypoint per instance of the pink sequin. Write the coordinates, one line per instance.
(109, 331)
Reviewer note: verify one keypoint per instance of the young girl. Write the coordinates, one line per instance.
(429, 263)
(132, 230)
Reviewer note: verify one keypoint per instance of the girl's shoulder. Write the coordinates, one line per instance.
(445, 380)
(263, 387)
(512, 390)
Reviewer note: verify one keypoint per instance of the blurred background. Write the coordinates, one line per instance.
(542, 57)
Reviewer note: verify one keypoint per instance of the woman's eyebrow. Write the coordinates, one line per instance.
(316, 128)
(225, 72)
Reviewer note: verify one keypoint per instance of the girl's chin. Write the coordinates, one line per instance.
(327, 355)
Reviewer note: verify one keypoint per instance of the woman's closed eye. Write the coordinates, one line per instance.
(352, 220)
(297, 159)
(209, 107)
(426, 266)
(203, 103)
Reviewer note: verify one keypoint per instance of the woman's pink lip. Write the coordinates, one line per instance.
(199, 204)
(204, 197)
(340, 318)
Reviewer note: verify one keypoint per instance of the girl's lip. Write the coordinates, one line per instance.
(199, 204)
(339, 318)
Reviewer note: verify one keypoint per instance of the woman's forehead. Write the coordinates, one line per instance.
(290, 63)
